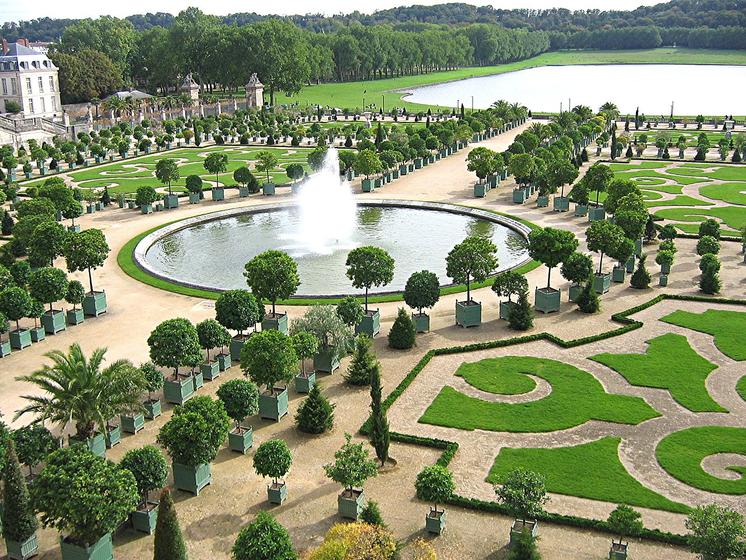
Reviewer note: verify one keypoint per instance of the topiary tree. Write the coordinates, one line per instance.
(709, 227)
(619, 188)
(509, 283)
(272, 275)
(315, 414)
(625, 521)
(48, 285)
(588, 301)
(244, 176)
(263, 539)
(268, 358)
(363, 362)
(83, 495)
(240, 399)
(273, 459)
(560, 172)
(174, 343)
(237, 310)
(15, 304)
(369, 266)
(471, 260)
(145, 196)
(167, 172)
(551, 246)
(194, 184)
(350, 311)
(641, 277)
(667, 232)
(521, 317)
(75, 293)
(212, 334)
(379, 424)
(217, 163)
(481, 161)
(577, 268)
(434, 484)
(306, 346)
(86, 250)
(622, 251)
(352, 466)
(371, 514)
(422, 290)
(708, 244)
(597, 178)
(168, 543)
(18, 520)
(47, 243)
(266, 161)
(523, 493)
(403, 331)
(709, 281)
(148, 465)
(601, 237)
(665, 258)
(33, 444)
(153, 379)
(522, 167)
(367, 163)
(294, 171)
(716, 533)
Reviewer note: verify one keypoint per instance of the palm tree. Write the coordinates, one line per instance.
(79, 391)
(610, 110)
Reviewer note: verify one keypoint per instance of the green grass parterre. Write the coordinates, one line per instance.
(727, 327)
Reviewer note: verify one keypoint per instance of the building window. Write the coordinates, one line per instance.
(51, 83)
(28, 85)
(31, 106)
(54, 104)
(43, 105)
(41, 84)
(13, 89)
(5, 86)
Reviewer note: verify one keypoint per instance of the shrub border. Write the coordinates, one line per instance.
(449, 448)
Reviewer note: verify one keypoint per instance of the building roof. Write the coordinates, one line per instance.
(134, 93)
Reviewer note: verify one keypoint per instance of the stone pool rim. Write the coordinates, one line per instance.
(143, 245)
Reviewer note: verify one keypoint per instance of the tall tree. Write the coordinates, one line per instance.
(169, 542)
(379, 424)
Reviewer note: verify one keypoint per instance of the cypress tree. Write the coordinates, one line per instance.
(19, 521)
(363, 362)
(316, 414)
(169, 542)
(371, 514)
(521, 317)
(588, 301)
(403, 331)
(379, 424)
(7, 223)
(641, 277)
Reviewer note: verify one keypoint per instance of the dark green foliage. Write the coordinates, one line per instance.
(717, 532)
(7, 224)
(168, 542)
(708, 244)
(709, 227)
(521, 317)
(263, 539)
(273, 459)
(272, 275)
(435, 484)
(524, 548)
(667, 232)
(148, 465)
(48, 285)
(33, 444)
(369, 266)
(650, 231)
(379, 424)
(625, 521)
(371, 514)
(212, 334)
(363, 362)
(710, 282)
(75, 293)
(240, 398)
(153, 378)
(350, 311)
(86, 250)
(588, 301)
(403, 331)
(641, 277)
(19, 521)
(422, 290)
(237, 310)
(174, 343)
(315, 414)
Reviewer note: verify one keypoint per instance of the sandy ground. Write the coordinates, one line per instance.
(212, 520)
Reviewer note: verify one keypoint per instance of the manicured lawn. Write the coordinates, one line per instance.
(482, 374)
(576, 398)
(741, 387)
(591, 470)
(669, 363)
(732, 216)
(681, 455)
(727, 327)
(637, 165)
(732, 193)
(681, 200)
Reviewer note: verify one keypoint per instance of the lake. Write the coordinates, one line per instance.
(694, 89)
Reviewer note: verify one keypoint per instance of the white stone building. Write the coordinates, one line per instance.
(28, 77)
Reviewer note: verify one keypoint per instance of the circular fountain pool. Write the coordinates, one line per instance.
(210, 251)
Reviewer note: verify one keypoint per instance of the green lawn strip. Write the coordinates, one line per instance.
(576, 398)
(641, 165)
(727, 327)
(681, 200)
(690, 171)
(732, 193)
(488, 376)
(741, 387)
(669, 363)
(650, 181)
(730, 173)
(650, 197)
(693, 229)
(590, 470)
(733, 216)
(681, 454)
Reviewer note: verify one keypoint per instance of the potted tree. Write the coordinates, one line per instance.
(665, 260)
(273, 459)
(266, 161)
(74, 296)
(194, 186)
(148, 465)
(351, 468)
(368, 163)
(524, 494)
(166, 171)
(576, 268)
(272, 275)
(472, 259)
(173, 344)
(601, 238)
(35, 313)
(132, 421)
(240, 398)
(19, 523)
(481, 161)
(623, 521)
(145, 197)
(86, 251)
(246, 180)
(153, 383)
(580, 196)
(15, 303)
(49, 285)
(269, 358)
(4, 346)
(367, 267)
(333, 335)
(422, 291)
(192, 437)
(263, 538)
(561, 172)
(622, 253)
(597, 179)
(550, 246)
(522, 167)
(508, 284)
(237, 310)
(435, 484)
(87, 498)
(211, 334)
(306, 346)
(33, 444)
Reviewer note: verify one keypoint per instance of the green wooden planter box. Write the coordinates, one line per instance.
(519, 196)
(90, 209)
(519, 528)
(581, 210)
(4, 349)
(241, 439)
(22, 550)
(146, 209)
(99, 206)
(350, 507)
(37, 334)
(191, 479)
(631, 262)
(102, 550)
(274, 406)
(638, 247)
(596, 213)
(224, 361)
(132, 424)
(421, 322)
(179, 390)
(663, 280)
(74, 229)
(277, 493)
(574, 292)
(210, 370)
(403, 169)
(542, 201)
(243, 192)
(367, 185)
(370, 324)
(618, 551)
(218, 193)
(561, 204)
(94, 304)
(480, 189)
(602, 283)
(237, 343)
(665, 268)
(171, 201)
(96, 444)
(547, 300)
(113, 436)
(394, 174)
(268, 189)
(143, 520)
(435, 522)
(20, 339)
(618, 273)
(378, 183)
(276, 322)
(198, 380)
(53, 322)
(326, 360)
(505, 308)
(193, 198)
(304, 383)
(418, 163)
(74, 316)
(152, 409)
(468, 314)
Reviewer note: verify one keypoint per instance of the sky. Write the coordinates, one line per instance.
(14, 10)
